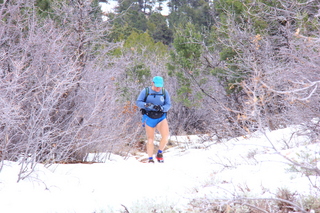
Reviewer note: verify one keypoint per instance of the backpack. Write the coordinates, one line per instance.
(147, 93)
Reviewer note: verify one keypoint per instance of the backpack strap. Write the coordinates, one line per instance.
(147, 93)
(164, 93)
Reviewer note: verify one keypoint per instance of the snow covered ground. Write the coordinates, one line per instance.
(242, 167)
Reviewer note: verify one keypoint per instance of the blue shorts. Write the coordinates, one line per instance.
(152, 122)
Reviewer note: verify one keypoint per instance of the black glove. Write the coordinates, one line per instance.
(158, 108)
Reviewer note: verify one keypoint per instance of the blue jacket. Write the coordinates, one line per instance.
(157, 98)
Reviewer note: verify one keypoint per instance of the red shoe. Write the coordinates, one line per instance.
(160, 157)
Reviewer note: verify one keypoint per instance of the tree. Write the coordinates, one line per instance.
(144, 57)
(247, 47)
(56, 85)
(188, 48)
(134, 14)
(43, 6)
(191, 76)
(144, 6)
(121, 32)
(253, 40)
(197, 12)
(158, 28)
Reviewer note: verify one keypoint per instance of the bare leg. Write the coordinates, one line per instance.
(163, 128)
(150, 137)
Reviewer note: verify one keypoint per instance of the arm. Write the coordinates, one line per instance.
(140, 100)
(167, 102)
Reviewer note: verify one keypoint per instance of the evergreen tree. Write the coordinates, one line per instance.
(197, 12)
(130, 14)
(140, 17)
(43, 6)
(144, 6)
(158, 28)
(186, 61)
(121, 32)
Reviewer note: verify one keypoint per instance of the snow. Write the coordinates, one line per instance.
(198, 168)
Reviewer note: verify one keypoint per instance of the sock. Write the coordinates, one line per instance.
(159, 151)
(150, 158)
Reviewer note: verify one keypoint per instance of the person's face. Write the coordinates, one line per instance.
(157, 89)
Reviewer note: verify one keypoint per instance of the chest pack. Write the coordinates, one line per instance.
(153, 114)
(147, 93)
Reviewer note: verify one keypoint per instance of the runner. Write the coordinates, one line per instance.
(154, 102)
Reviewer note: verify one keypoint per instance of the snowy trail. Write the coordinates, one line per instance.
(94, 187)
(235, 168)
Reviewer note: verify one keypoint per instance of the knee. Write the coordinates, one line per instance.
(165, 135)
(150, 140)
(165, 138)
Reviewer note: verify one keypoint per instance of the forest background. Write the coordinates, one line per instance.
(70, 74)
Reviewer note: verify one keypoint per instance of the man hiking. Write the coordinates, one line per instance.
(154, 102)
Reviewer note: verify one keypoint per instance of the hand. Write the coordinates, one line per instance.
(158, 108)
(149, 105)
